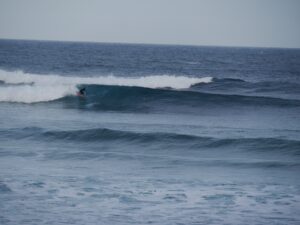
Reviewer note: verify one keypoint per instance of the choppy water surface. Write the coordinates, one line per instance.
(164, 135)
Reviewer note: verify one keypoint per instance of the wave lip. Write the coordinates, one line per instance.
(30, 88)
(138, 99)
(33, 93)
(127, 93)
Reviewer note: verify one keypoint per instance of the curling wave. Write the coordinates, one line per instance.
(30, 88)
(138, 99)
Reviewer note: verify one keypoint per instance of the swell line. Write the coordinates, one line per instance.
(99, 135)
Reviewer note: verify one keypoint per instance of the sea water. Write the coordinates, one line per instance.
(164, 134)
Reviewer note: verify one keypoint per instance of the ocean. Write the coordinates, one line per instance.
(164, 135)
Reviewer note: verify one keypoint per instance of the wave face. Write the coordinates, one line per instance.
(164, 135)
(160, 139)
(160, 93)
(271, 88)
(30, 88)
(91, 143)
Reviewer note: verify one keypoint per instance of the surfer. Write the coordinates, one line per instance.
(81, 92)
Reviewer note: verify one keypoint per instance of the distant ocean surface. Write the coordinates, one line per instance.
(165, 134)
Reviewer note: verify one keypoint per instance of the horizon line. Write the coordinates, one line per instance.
(143, 43)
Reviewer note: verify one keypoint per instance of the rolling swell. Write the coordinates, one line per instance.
(158, 139)
(272, 88)
(124, 98)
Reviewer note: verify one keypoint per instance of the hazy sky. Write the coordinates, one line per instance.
(268, 23)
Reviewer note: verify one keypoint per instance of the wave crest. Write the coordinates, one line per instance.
(29, 88)
(100, 135)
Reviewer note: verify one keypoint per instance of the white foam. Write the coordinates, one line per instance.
(30, 94)
(37, 88)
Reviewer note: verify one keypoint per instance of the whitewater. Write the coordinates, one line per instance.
(37, 88)
(164, 135)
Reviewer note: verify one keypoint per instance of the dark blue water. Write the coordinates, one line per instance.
(164, 135)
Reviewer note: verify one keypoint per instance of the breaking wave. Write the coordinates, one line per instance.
(111, 93)
(30, 88)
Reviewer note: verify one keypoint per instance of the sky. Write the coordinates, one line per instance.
(255, 23)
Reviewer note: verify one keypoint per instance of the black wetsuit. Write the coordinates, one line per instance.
(82, 91)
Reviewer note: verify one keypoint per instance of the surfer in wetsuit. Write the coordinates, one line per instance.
(81, 92)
